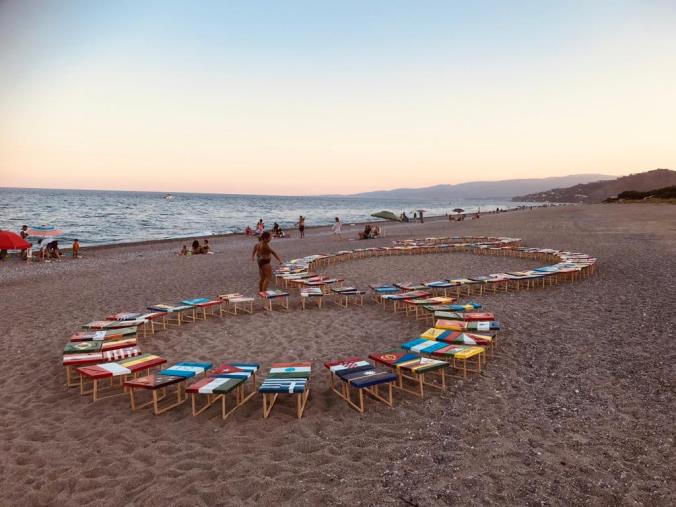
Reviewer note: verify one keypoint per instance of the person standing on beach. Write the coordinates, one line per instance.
(263, 254)
(337, 229)
(25, 253)
(301, 226)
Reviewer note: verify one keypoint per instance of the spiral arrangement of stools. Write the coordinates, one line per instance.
(106, 360)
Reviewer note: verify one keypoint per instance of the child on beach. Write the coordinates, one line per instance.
(76, 248)
(184, 250)
(337, 229)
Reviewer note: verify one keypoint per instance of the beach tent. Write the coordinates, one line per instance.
(12, 241)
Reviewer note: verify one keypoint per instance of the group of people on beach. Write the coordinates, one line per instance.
(276, 230)
(196, 248)
(370, 232)
(43, 250)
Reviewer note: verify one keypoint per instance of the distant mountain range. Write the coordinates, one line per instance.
(601, 190)
(505, 189)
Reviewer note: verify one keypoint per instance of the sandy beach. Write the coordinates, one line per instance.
(578, 408)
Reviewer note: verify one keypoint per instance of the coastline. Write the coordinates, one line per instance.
(294, 232)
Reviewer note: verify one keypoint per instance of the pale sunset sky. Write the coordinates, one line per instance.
(313, 97)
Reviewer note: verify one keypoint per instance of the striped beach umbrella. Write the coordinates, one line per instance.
(44, 231)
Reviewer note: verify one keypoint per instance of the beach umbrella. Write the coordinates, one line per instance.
(44, 231)
(387, 215)
(12, 241)
(458, 210)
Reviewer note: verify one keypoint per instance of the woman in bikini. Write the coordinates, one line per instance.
(263, 254)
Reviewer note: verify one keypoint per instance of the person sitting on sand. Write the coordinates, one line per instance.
(276, 230)
(375, 231)
(53, 250)
(184, 250)
(196, 249)
(248, 231)
(205, 247)
(367, 232)
(76, 248)
(263, 255)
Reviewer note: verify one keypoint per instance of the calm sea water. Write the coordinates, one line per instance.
(104, 217)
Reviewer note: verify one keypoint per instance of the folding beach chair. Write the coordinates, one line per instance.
(361, 375)
(158, 383)
(463, 358)
(269, 296)
(75, 360)
(414, 368)
(347, 294)
(307, 293)
(202, 305)
(174, 314)
(120, 370)
(236, 302)
(286, 378)
(222, 381)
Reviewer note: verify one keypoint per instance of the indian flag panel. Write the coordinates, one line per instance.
(290, 372)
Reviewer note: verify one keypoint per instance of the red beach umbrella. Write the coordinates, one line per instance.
(12, 241)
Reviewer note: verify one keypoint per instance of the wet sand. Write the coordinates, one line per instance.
(578, 408)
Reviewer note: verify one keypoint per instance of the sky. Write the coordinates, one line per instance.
(311, 97)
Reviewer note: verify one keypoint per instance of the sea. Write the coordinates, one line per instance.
(97, 217)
